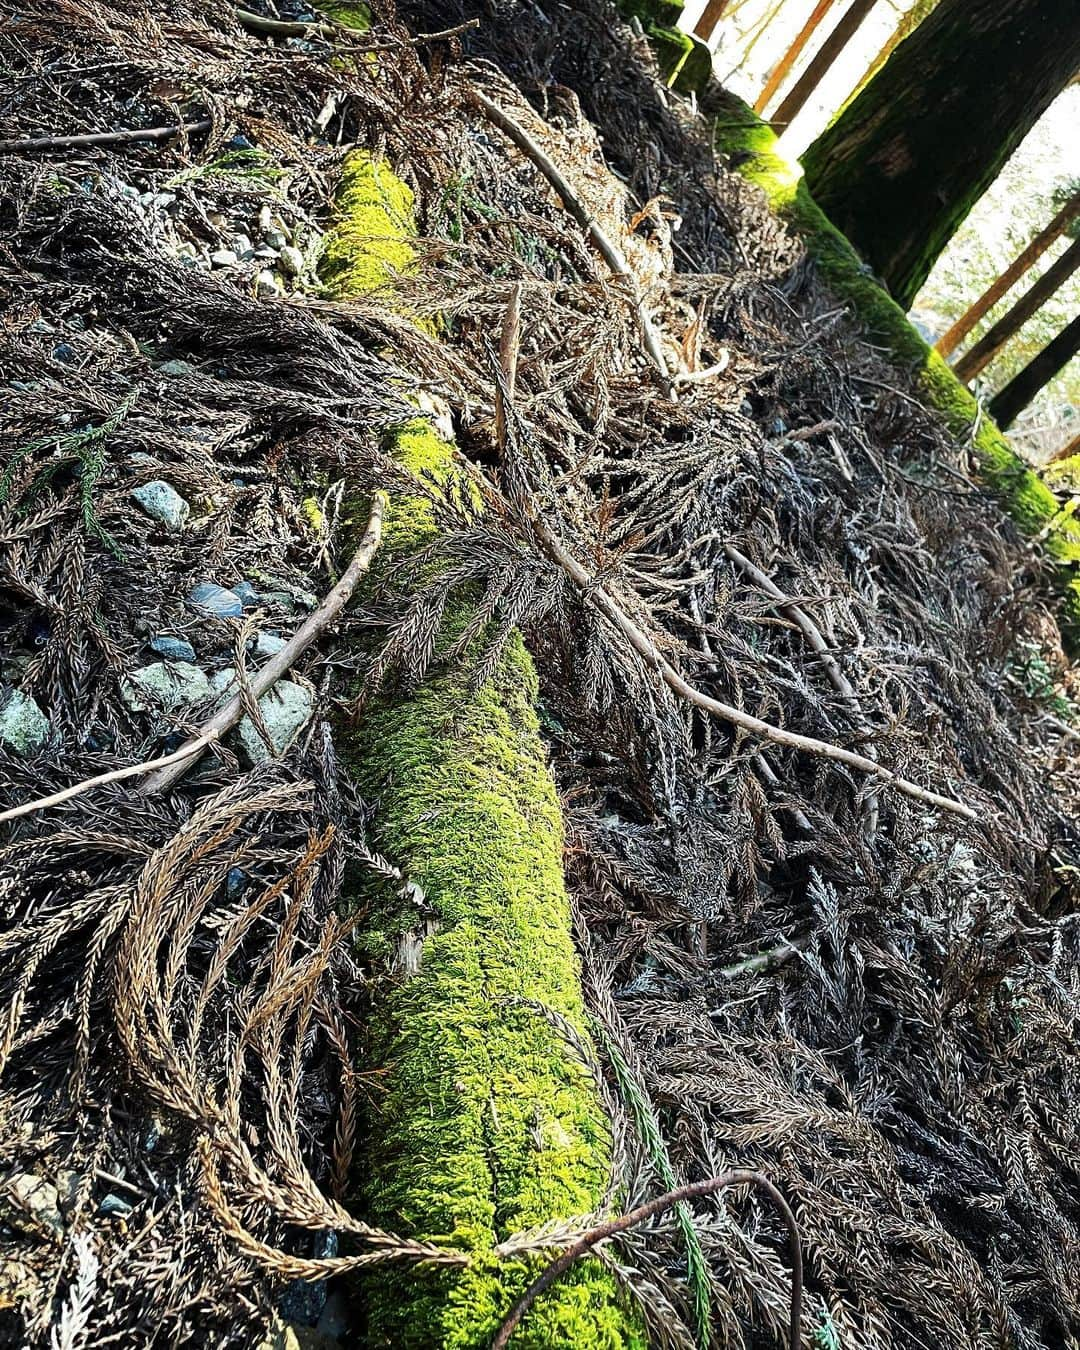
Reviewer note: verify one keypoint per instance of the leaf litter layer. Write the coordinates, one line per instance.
(791, 967)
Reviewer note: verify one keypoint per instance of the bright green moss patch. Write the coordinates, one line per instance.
(485, 1122)
(1026, 496)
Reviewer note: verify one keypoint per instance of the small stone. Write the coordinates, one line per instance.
(241, 245)
(65, 352)
(247, 593)
(267, 644)
(223, 257)
(115, 1205)
(40, 325)
(265, 254)
(187, 250)
(275, 239)
(177, 368)
(303, 1301)
(268, 285)
(162, 501)
(286, 709)
(236, 883)
(33, 1199)
(215, 601)
(172, 648)
(24, 728)
(165, 686)
(265, 217)
(223, 683)
(162, 200)
(291, 261)
(239, 143)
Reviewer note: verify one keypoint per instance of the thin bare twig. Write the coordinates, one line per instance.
(230, 713)
(577, 208)
(283, 28)
(104, 137)
(164, 762)
(603, 1231)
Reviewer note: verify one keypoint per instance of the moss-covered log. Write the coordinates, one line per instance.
(486, 1123)
(904, 163)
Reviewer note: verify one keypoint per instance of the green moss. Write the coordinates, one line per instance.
(355, 15)
(485, 1123)
(1027, 497)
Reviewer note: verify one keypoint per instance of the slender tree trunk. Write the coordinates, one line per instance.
(710, 17)
(1029, 303)
(780, 70)
(822, 63)
(1006, 406)
(1012, 274)
(903, 165)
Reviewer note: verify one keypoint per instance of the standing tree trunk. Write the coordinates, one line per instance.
(1012, 274)
(822, 63)
(779, 72)
(1029, 303)
(710, 17)
(1006, 406)
(905, 162)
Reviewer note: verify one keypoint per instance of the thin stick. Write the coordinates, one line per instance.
(104, 137)
(260, 24)
(647, 650)
(816, 642)
(113, 776)
(736, 1177)
(577, 208)
(509, 343)
(230, 713)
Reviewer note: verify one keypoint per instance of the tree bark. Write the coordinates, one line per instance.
(1006, 406)
(905, 162)
(907, 25)
(780, 70)
(1012, 274)
(822, 63)
(710, 17)
(1029, 303)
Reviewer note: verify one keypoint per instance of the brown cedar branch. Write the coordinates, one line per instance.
(735, 1177)
(647, 650)
(817, 644)
(230, 713)
(573, 203)
(113, 776)
(104, 137)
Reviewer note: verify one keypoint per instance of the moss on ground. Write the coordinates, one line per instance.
(1034, 506)
(486, 1123)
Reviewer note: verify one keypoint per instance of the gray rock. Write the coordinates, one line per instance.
(114, 1204)
(24, 728)
(172, 648)
(162, 501)
(334, 1320)
(247, 593)
(267, 644)
(177, 368)
(286, 709)
(265, 254)
(223, 257)
(268, 284)
(240, 245)
(275, 239)
(223, 683)
(291, 261)
(37, 1200)
(165, 686)
(216, 601)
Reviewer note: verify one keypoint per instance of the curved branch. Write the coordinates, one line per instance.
(735, 1177)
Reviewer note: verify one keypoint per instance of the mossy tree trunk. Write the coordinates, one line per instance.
(1022, 388)
(903, 165)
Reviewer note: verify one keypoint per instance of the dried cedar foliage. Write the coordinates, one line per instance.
(902, 1066)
